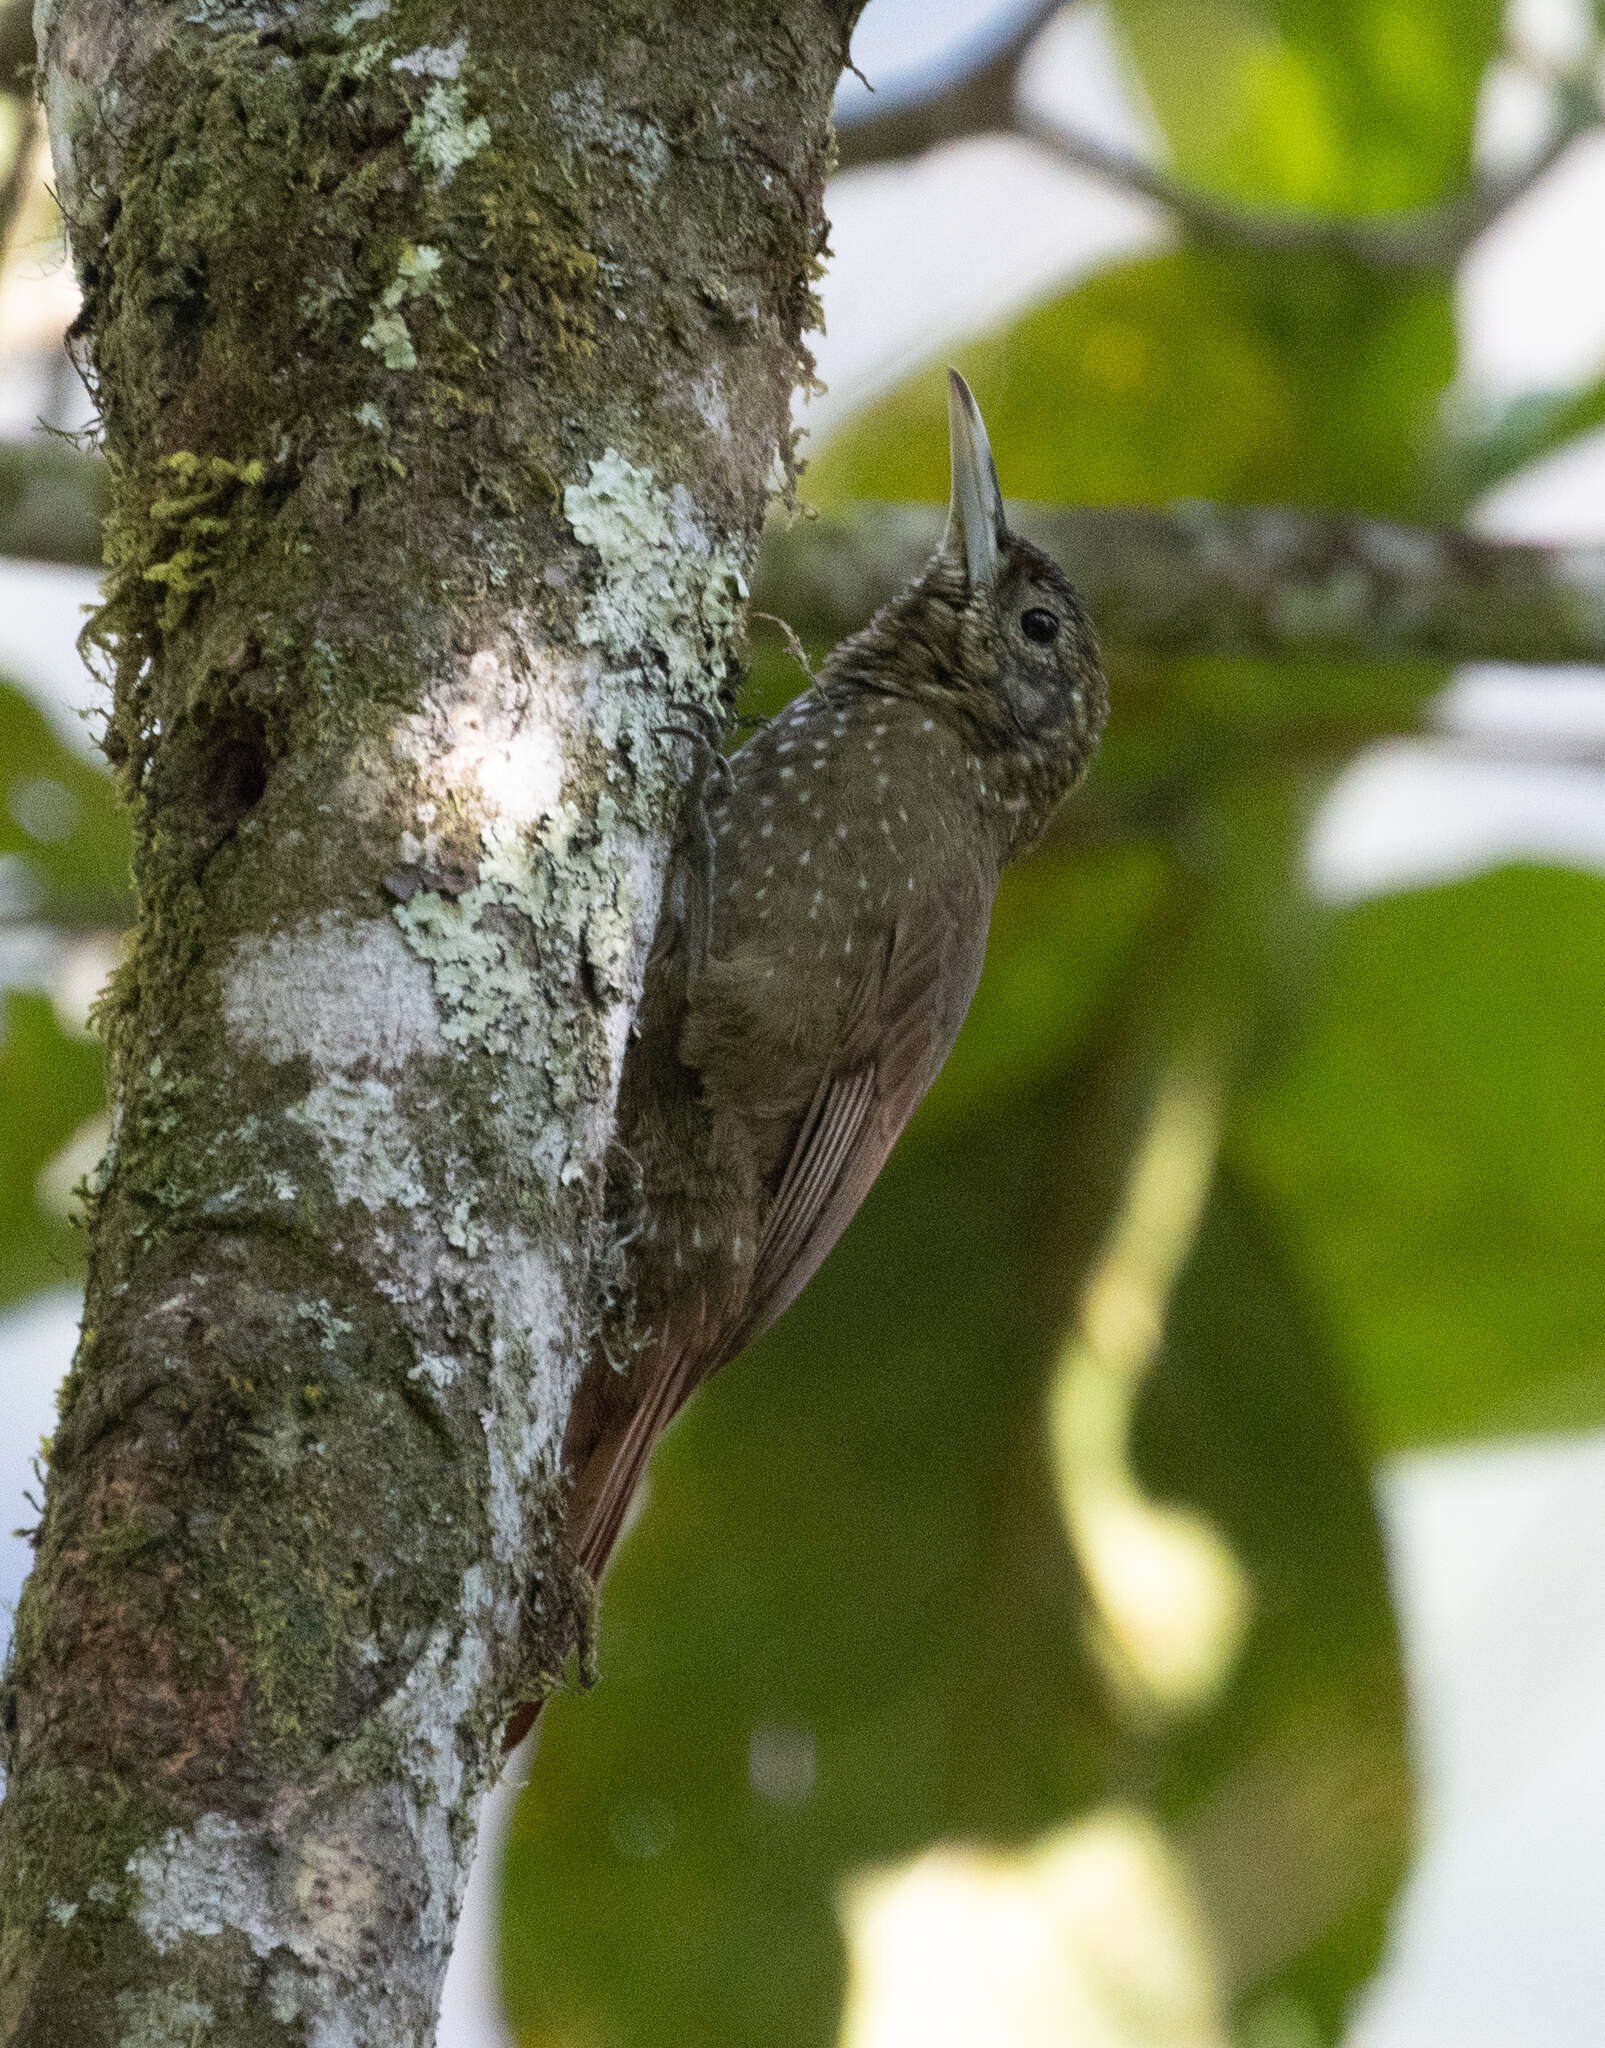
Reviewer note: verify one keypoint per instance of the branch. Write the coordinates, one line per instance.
(53, 500)
(17, 48)
(1213, 579)
(1432, 237)
(18, 180)
(977, 99)
(1194, 579)
(983, 99)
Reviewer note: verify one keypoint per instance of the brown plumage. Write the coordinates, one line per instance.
(857, 846)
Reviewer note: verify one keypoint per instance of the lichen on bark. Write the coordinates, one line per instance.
(444, 357)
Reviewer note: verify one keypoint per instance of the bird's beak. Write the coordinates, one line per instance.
(975, 524)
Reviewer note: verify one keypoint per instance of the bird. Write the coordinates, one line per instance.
(816, 958)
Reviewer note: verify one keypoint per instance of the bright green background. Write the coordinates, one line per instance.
(853, 1534)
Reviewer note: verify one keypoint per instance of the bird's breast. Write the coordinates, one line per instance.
(849, 819)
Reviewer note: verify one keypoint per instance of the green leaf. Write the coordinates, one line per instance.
(63, 837)
(1292, 1795)
(848, 1626)
(1194, 374)
(51, 1084)
(1436, 1149)
(1486, 450)
(1066, 933)
(851, 1549)
(1341, 106)
(1089, 399)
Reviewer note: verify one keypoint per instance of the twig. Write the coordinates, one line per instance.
(977, 98)
(1431, 237)
(794, 646)
(52, 503)
(984, 99)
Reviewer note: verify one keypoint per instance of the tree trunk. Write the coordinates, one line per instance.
(445, 358)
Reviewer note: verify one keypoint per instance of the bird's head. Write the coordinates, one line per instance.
(1027, 655)
(992, 635)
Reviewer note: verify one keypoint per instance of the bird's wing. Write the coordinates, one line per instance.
(870, 1090)
(667, 1376)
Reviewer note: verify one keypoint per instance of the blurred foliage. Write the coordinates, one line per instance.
(1338, 106)
(1436, 1144)
(856, 1666)
(63, 871)
(50, 1085)
(63, 841)
(854, 1622)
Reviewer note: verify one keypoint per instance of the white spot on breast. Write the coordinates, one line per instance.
(766, 829)
(804, 857)
(788, 774)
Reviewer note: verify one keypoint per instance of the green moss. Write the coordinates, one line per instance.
(121, 1542)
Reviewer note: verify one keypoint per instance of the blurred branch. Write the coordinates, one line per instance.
(18, 179)
(1425, 238)
(1192, 579)
(1235, 580)
(17, 55)
(984, 100)
(52, 502)
(977, 100)
(16, 82)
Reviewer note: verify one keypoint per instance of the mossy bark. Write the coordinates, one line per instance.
(445, 357)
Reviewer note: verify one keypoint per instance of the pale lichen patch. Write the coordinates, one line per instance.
(366, 1147)
(639, 146)
(198, 1882)
(337, 992)
(442, 136)
(169, 2017)
(432, 61)
(668, 593)
(388, 336)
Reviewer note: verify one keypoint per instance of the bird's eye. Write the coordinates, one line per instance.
(1039, 625)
